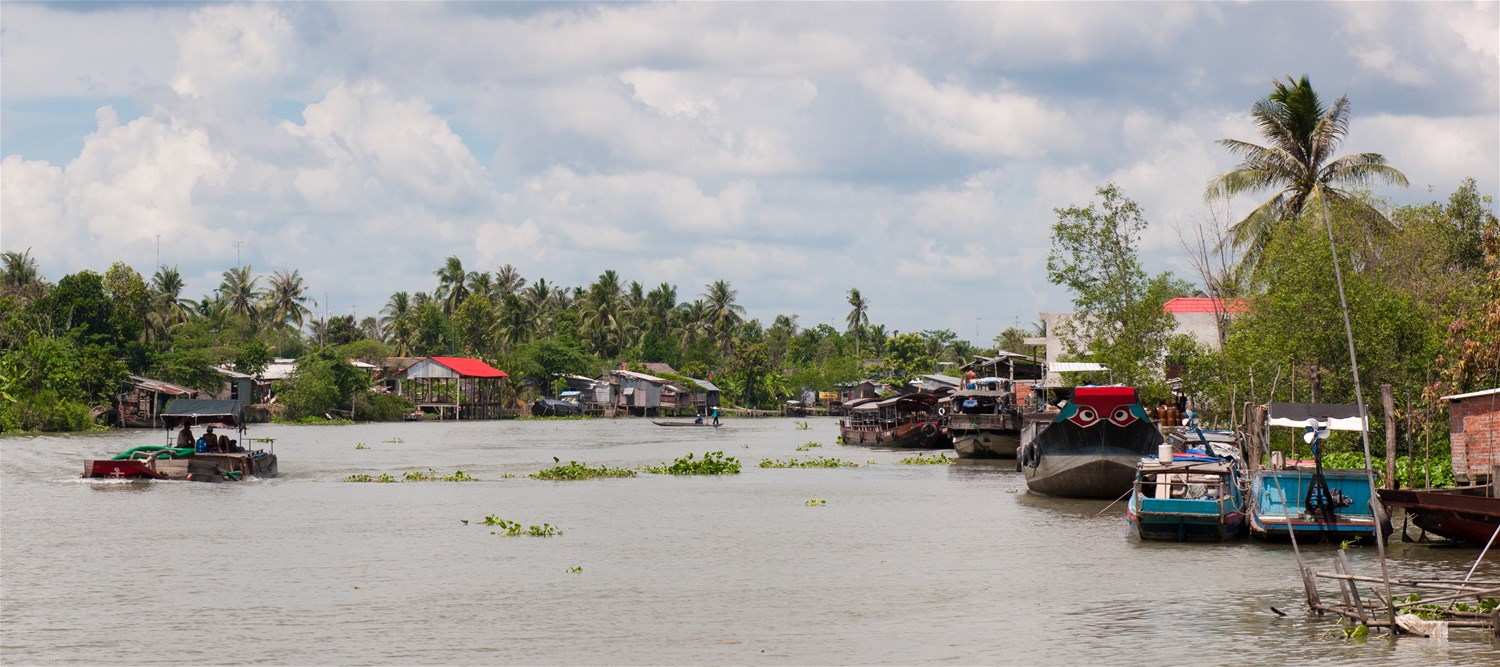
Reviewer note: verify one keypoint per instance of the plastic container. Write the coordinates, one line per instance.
(1164, 452)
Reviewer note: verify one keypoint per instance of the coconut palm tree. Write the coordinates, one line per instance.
(724, 315)
(508, 280)
(452, 289)
(483, 284)
(396, 320)
(284, 299)
(602, 314)
(1297, 164)
(20, 276)
(240, 294)
(168, 308)
(692, 324)
(858, 318)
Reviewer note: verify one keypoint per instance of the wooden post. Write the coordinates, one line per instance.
(1388, 403)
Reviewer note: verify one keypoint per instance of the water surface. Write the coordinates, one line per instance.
(904, 564)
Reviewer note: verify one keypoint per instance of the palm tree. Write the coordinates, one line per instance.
(20, 276)
(168, 308)
(692, 323)
(1298, 164)
(724, 315)
(602, 314)
(481, 283)
(240, 295)
(451, 288)
(859, 318)
(285, 297)
(396, 321)
(508, 280)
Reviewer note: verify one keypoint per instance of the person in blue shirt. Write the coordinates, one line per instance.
(716, 415)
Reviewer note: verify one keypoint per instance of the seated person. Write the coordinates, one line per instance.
(209, 441)
(224, 444)
(185, 437)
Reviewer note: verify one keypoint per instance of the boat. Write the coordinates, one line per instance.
(551, 407)
(1192, 492)
(907, 421)
(983, 421)
(1300, 499)
(1090, 446)
(1467, 514)
(685, 423)
(227, 460)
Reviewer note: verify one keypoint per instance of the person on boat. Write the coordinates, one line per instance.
(208, 437)
(699, 419)
(185, 437)
(224, 443)
(716, 415)
(969, 377)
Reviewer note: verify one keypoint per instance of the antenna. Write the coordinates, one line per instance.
(237, 244)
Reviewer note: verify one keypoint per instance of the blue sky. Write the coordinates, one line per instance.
(913, 151)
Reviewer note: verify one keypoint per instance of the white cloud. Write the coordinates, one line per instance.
(234, 53)
(999, 123)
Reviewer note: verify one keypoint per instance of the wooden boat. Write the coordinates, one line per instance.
(1301, 498)
(686, 423)
(1468, 514)
(1194, 495)
(207, 464)
(907, 421)
(983, 421)
(1090, 447)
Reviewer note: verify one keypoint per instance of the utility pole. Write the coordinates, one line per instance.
(976, 331)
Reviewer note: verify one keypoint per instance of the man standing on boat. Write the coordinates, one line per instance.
(716, 415)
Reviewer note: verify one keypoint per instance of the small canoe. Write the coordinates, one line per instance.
(666, 423)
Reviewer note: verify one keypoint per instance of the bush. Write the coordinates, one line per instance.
(45, 411)
(381, 408)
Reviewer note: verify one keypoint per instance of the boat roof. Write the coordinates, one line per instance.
(1334, 416)
(196, 411)
(1187, 463)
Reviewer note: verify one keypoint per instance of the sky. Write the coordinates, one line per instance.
(916, 152)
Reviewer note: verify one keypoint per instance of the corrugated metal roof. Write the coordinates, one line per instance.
(160, 387)
(1472, 394)
(1194, 304)
(1075, 366)
(470, 368)
(643, 376)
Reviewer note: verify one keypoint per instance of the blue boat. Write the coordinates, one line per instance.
(1192, 496)
(1303, 498)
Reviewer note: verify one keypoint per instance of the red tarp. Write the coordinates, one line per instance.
(470, 368)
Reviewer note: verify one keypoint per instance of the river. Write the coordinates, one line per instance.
(904, 564)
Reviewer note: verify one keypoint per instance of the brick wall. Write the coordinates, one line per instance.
(1475, 427)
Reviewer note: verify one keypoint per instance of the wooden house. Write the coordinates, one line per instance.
(456, 387)
(141, 400)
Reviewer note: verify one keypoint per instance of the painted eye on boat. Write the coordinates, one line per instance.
(1087, 414)
(1122, 415)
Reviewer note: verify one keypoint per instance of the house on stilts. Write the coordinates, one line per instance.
(454, 387)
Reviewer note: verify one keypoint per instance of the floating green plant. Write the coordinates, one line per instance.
(920, 459)
(508, 475)
(394, 441)
(361, 446)
(803, 426)
(712, 463)
(816, 502)
(810, 445)
(816, 462)
(576, 470)
(510, 528)
(576, 569)
(385, 478)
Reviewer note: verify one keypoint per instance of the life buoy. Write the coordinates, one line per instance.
(942, 411)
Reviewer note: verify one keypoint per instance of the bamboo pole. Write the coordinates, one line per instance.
(1388, 403)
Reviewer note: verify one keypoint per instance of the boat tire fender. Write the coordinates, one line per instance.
(929, 429)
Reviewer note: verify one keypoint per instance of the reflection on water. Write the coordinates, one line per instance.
(903, 564)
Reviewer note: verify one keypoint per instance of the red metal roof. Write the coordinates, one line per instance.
(470, 368)
(1186, 304)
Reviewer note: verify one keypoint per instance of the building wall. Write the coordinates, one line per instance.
(1474, 424)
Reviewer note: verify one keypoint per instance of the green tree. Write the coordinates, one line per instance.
(452, 287)
(858, 318)
(241, 295)
(472, 324)
(540, 360)
(285, 299)
(1118, 316)
(907, 357)
(1297, 164)
(724, 316)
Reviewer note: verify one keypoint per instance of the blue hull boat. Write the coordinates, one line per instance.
(1281, 506)
(1191, 497)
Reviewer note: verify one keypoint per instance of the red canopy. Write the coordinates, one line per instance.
(470, 368)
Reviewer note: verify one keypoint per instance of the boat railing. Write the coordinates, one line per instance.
(1167, 485)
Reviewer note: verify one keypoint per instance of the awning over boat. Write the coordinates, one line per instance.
(1075, 366)
(1334, 416)
(195, 411)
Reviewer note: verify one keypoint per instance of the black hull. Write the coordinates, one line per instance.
(1070, 461)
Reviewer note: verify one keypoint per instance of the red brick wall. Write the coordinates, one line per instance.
(1475, 427)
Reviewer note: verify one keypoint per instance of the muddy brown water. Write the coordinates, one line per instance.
(905, 564)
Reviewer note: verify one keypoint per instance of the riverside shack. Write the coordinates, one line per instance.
(1474, 426)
